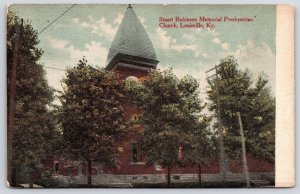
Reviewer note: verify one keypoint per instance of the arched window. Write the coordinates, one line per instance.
(134, 153)
(56, 167)
(132, 79)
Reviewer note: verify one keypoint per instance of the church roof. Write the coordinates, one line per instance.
(131, 39)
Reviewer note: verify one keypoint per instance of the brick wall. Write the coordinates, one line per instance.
(254, 165)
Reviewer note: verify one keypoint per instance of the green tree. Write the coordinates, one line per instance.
(201, 149)
(171, 110)
(239, 93)
(92, 114)
(34, 131)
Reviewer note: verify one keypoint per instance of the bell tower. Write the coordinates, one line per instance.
(131, 56)
(131, 52)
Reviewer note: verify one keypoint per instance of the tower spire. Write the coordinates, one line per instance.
(131, 42)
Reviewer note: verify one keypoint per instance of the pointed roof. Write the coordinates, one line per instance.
(131, 39)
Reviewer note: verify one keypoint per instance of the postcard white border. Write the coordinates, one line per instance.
(4, 189)
(285, 98)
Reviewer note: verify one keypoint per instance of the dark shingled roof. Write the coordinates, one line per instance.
(131, 39)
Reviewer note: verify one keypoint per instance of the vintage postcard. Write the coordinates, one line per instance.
(150, 96)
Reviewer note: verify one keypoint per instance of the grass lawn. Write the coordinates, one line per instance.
(50, 183)
(190, 185)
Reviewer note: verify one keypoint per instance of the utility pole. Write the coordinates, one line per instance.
(245, 167)
(11, 171)
(220, 125)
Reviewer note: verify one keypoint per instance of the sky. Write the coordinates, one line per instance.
(88, 30)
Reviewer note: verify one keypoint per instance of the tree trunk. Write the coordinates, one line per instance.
(13, 182)
(169, 175)
(31, 178)
(199, 175)
(30, 181)
(89, 175)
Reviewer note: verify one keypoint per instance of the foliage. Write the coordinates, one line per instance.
(35, 134)
(239, 93)
(92, 114)
(202, 147)
(171, 116)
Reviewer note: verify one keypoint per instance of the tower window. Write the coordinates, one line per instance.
(132, 79)
(135, 118)
(180, 153)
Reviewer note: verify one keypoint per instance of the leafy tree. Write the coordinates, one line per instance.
(202, 148)
(171, 110)
(262, 130)
(239, 93)
(92, 114)
(34, 128)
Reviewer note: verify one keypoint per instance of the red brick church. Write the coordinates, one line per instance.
(132, 55)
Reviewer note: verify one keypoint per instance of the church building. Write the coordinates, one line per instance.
(132, 56)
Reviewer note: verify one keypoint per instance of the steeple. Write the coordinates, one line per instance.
(132, 43)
